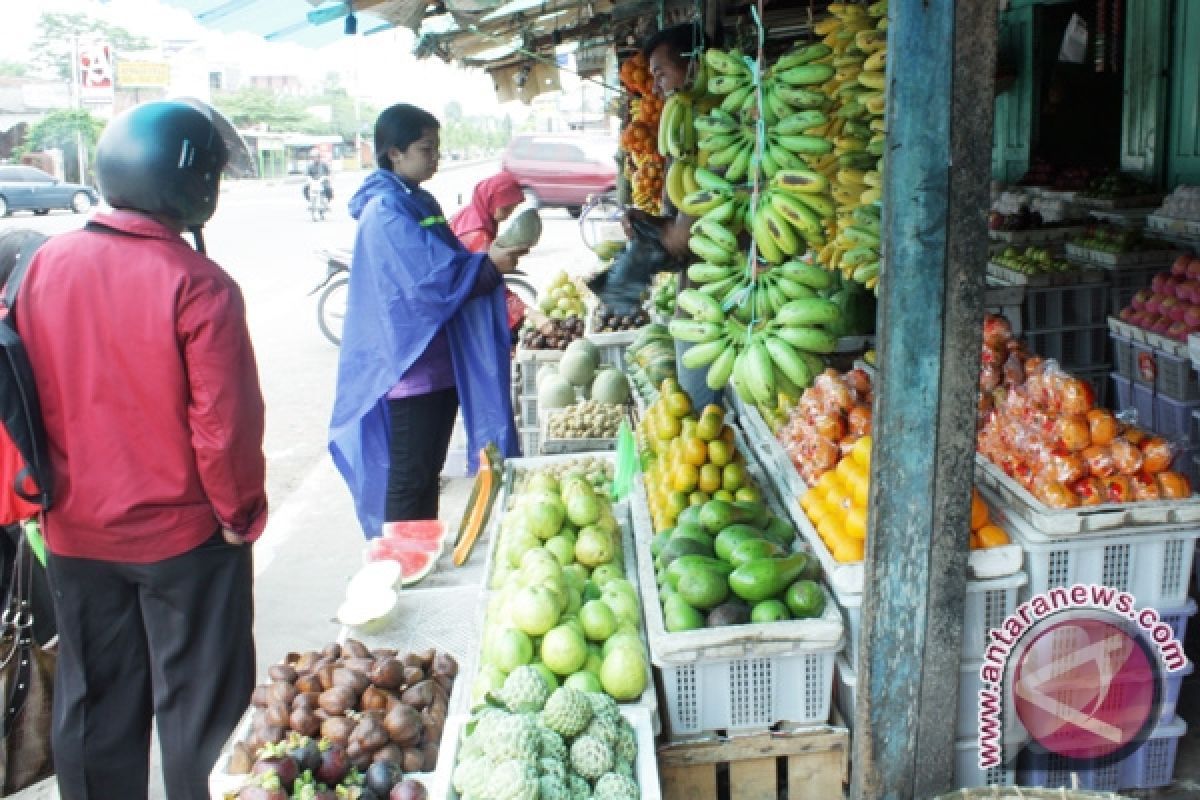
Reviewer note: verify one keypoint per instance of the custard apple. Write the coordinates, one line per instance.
(553, 787)
(524, 690)
(604, 707)
(612, 786)
(552, 766)
(605, 730)
(626, 748)
(552, 745)
(590, 757)
(514, 780)
(472, 776)
(513, 737)
(580, 788)
(568, 712)
(623, 767)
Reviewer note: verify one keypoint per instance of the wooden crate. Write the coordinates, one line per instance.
(805, 764)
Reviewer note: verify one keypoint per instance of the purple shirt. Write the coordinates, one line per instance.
(431, 372)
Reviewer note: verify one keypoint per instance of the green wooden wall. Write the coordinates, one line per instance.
(1144, 115)
(1183, 140)
(1013, 131)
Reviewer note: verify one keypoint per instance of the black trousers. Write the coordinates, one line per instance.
(420, 438)
(171, 641)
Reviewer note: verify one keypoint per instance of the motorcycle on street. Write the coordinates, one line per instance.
(316, 193)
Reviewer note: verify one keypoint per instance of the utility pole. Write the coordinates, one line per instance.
(77, 92)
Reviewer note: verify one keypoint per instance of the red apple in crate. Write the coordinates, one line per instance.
(1127, 314)
(1154, 301)
(1156, 283)
(1171, 284)
(1161, 325)
(1193, 268)
(1167, 307)
(1192, 317)
(1139, 299)
(1178, 331)
(1179, 266)
(1185, 290)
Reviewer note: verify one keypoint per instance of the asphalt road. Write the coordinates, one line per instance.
(262, 235)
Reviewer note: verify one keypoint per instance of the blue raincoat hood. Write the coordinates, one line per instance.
(409, 278)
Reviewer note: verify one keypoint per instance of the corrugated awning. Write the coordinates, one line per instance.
(312, 24)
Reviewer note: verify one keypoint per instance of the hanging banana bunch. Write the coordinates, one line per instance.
(857, 37)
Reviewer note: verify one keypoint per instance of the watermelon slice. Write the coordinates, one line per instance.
(415, 544)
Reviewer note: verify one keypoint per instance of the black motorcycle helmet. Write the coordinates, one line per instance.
(163, 158)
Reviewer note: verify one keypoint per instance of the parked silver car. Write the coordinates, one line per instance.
(24, 188)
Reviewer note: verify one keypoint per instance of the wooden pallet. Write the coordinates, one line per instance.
(807, 764)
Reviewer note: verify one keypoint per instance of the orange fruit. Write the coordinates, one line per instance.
(992, 536)
(860, 490)
(709, 426)
(678, 404)
(975, 545)
(719, 453)
(710, 477)
(979, 512)
(669, 427)
(748, 494)
(855, 524)
(733, 477)
(684, 477)
(848, 551)
(695, 451)
(861, 451)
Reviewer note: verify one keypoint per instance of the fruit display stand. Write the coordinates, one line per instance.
(1054, 237)
(512, 467)
(1010, 277)
(814, 763)
(646, 766)
(967, 772)
(1015, 502)
(737, 676)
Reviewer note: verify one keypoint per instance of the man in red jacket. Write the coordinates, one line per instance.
(154, 420)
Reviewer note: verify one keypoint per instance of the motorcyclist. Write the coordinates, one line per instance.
(318, 170)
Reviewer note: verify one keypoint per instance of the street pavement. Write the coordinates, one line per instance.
(262, 235)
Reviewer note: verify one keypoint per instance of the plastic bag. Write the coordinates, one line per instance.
(621, 286)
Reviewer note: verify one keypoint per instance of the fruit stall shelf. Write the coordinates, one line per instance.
(1118, 203)
(813, 763)
(1173, 226)
(737, 677)
(1011, 277)
(967, 771)
(564, 446)
(1102, 519)
(1152, 563)
(649, 699)
(440, 783)
(1133, 259)
(1149, 766)
(1055, 236)
(988, 603)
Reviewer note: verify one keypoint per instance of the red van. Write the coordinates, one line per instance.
(562, 170)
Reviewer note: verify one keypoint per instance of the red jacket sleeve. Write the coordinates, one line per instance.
(225, 411)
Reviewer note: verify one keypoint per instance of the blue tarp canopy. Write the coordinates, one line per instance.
(309, 24)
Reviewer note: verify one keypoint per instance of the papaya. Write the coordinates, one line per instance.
(762, 578)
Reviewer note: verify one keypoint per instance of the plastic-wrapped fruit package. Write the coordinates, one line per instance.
(832, 414)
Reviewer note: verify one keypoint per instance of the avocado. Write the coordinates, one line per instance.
(752, 549)
(702, 588)
(731, 612)
(763, 578)
(679, 616)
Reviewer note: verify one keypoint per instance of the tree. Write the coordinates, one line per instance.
(52, 50)
(12, 69)
(63, 130)
(257, 108)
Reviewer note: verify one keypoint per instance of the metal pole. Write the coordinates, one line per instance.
(936, 193)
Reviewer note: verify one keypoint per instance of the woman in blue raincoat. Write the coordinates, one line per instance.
(425, 333)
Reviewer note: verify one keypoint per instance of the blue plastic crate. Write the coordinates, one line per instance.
(1143, 404)
(1122, 394)
(1173, 419)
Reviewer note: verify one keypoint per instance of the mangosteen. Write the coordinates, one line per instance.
(281, 766)
(334, 765)
(409, 789)
(382, 776)
(306, 753)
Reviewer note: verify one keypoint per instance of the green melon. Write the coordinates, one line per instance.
(579, 362)
(523, 230)
(554, 392)
(610, 386)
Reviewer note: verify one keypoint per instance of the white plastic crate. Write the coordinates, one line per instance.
(531, 441)
(987, 604)
(1151, 563)
(748, 693)
(440, 783)
(1151, 765)
(969, 684)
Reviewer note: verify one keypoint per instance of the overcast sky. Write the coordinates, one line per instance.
(379, 60)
